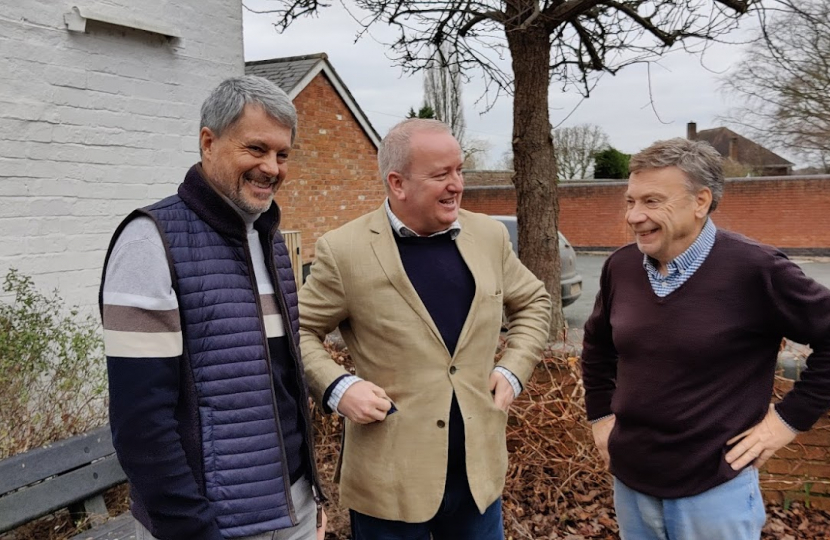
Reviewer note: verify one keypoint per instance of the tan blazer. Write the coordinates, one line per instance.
(396, 469)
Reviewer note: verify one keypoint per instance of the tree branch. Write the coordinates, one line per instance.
(596, 61)
(495, 16)
(668, 39)
(557, 13)
(738, 6)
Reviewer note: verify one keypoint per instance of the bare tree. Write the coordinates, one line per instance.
(475, 153)
(575, 147)
(505, 162)
(442, 90)
(783, 81)
(564, 39)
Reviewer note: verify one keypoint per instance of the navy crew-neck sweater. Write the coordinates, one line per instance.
(685, 373)
(446, 287)
(442, 280)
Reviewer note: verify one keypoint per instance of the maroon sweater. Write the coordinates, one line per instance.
(685, 373)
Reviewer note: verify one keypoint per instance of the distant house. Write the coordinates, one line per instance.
(333, 175)
(731, 145)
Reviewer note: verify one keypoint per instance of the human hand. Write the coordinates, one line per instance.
(364, 403)
(602, 431)
(759, 443)
(502, 390)
(321, 529)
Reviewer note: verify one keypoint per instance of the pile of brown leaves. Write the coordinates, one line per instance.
(796, 523)
(556, 484)
(555, 489)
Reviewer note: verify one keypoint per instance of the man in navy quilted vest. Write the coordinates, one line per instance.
(680, 352)
(208, 401)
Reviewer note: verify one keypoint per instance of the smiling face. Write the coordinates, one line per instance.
(427, 196)
(249, 161)
(665, 216)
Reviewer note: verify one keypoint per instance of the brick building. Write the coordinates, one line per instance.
(735, 147)
(332, 176)
(99, 114)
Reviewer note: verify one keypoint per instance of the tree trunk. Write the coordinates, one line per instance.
(534, 163)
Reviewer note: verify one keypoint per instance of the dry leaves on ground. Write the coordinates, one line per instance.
(555, 489)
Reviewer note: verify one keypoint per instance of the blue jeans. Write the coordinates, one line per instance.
(731, 511)
(457, 519)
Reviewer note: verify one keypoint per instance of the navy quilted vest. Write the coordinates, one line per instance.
(245, 476)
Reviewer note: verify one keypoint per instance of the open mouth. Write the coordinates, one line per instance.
(262, 183)
(646, 234)
(448, 203)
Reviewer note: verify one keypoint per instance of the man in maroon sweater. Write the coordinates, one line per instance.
(680, 353)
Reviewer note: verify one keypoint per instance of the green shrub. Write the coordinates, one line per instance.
(424, 112)
(52, 370)
(610, 163)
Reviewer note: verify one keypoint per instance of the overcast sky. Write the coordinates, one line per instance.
(684, 86)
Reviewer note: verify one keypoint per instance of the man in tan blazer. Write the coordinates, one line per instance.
(417, 289)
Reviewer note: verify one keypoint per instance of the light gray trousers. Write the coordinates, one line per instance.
(304, 506)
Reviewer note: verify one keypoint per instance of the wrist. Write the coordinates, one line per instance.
(781, 418)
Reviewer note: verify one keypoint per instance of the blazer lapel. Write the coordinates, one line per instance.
(386, 251)
(467, 247)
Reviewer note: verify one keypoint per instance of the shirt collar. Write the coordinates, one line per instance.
(403, 231)
(703, 244)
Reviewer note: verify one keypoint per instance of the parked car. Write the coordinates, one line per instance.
(570, 280)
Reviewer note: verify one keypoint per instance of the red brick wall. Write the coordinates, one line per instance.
(787, 212)
(782, 212)
(801, 470)
(332, 174)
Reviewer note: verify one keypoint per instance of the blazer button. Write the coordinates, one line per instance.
(453, 370)
(441, 423)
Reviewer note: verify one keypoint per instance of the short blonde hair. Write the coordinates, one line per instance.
(393, 152)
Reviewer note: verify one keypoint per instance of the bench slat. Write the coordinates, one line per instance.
(59, 492)
(36, 465)
(118, 528)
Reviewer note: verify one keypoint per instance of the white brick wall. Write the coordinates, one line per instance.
(94, 125)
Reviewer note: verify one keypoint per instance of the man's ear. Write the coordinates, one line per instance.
(395, 182)
(206, 140)
(703, 201)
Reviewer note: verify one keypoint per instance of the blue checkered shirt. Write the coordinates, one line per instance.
(684, 265)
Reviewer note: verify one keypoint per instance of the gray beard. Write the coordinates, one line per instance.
(246, 206)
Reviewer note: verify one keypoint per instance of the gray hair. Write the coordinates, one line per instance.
(393, 152)
(225, 104)
(699, 161)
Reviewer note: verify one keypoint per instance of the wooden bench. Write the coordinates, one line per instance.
(73, 473)
(118, 528)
